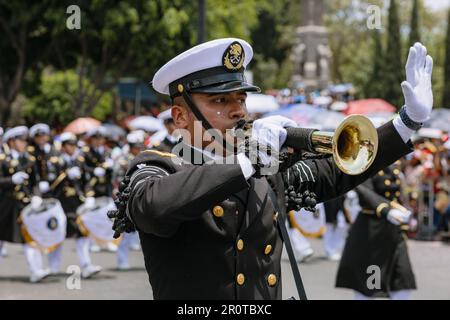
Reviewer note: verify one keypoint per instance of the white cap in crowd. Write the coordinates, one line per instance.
(39, 129)
(20, 131)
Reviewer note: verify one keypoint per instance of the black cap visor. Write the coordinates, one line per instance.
(227, 87)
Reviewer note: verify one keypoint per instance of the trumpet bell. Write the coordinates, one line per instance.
(355, 144)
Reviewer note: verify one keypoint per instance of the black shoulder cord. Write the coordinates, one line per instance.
(287, 242)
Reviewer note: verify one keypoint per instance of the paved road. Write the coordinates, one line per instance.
(431, 262)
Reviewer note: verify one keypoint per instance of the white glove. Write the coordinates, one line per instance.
(109, 163)
(44, 186)
(74, 173)
(36, 202)
(397, 217)
(89, 203)
(99, 172)
(271, 130)
(19, 177)
(417, 87)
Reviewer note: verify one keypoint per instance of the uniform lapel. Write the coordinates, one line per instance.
(258, 201)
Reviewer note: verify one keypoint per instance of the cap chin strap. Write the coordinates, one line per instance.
(205, 123)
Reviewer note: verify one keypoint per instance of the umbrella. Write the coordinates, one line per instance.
(309, 116)
(340, 88)
(82, 125)
(322, 100)
(261, 103)
(338, 106)
(146, 123)
(367, 106)
(113, 131)
(439, 119)
(431, 133)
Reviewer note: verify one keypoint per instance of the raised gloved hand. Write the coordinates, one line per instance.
(99, 172)
(36, 202)
(89, 203)
(417, 87)
(397, 217)
(109, 163)
(44, 186)
(19, 177)
(74, 173)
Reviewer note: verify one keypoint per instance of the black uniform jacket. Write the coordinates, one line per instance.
(208, 233)
(13, 198)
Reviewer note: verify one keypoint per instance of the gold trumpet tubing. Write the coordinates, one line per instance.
(322, 142)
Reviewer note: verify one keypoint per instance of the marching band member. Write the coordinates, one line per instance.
(17, 180)
(69, 187)
(136, 144)
(377, 238)
(215, 208)
(170, 140)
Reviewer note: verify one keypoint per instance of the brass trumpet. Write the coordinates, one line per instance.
(353, 145)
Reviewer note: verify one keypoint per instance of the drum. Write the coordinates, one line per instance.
(44, 226)
(309, 224)
(94, 221)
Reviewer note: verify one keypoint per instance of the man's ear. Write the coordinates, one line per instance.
(180, 116)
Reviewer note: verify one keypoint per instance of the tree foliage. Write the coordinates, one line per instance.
(55, 102)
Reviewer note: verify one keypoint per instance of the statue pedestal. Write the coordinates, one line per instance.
(311, 55)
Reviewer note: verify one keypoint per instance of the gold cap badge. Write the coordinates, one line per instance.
(233, 57)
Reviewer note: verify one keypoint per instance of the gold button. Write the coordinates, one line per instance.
(240, 245)
(240, 279)
(180, 88)
(396, 171)
(397, 181)
(275, 216)
(381, 173)
(387, 194)
(387, 182)
(268, 249)
(272, 279)
(397, 194)
(218, 211)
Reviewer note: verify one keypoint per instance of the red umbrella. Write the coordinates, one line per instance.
(82, 125)
(367, 106)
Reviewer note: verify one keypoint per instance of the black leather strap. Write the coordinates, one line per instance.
(287, 242)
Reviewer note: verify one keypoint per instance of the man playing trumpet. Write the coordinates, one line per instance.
(208, 222)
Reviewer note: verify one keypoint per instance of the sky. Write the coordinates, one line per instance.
(437, 4)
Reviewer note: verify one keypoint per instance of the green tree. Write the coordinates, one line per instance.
(373, 87)
(414, 35)
(26, 38)
(446, 94)
(393, 66)
(55, 101)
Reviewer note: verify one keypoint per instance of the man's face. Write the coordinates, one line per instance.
(135, 150)
(69, 148)
(97, 141)
(41, 139)
(19, 144)
(222, 111)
